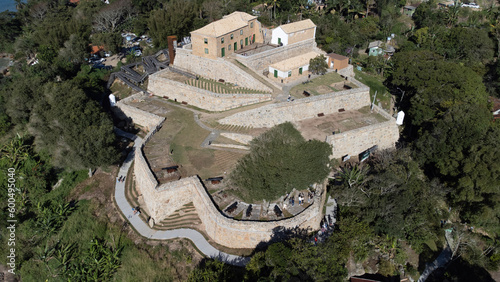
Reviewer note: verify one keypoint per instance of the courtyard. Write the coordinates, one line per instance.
(321, 127)
(328, 83)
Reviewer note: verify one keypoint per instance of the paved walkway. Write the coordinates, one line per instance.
(143, 229)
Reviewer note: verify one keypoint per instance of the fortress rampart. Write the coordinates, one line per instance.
(162, 200)
(200, 98)
(216, 69)
(305, 108)
(353, 142)
(125, 111)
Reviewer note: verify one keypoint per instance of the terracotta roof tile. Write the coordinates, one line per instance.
(297, 26)
(295, 62)
(227, 24)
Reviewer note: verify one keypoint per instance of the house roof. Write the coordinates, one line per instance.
(337, 57)
(409, 7)
(295, 62)
(96, 49)
(377, 43)
(297, 26)
(227, 24)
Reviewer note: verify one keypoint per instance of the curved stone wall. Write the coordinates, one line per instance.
(162, 200)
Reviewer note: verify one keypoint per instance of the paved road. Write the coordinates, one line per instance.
(143, 229)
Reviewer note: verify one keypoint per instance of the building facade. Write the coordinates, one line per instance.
(292, 68)
(336, 61)
(227, 35)
(293, 32)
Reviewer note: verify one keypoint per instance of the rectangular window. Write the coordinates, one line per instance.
(232, 36)
(229, 47)
(241, 32)
(251, 25)
(289, 73)
(205, 40)
(222, 40)
(206, 50)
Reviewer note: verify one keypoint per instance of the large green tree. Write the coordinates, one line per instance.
(72, 128)
(280, 160)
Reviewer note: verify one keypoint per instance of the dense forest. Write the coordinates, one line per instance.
(444, 175)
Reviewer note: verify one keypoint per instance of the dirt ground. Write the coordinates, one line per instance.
(113, 60)
(320, 128)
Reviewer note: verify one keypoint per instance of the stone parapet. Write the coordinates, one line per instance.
(353, 142)
(305, 108)
(204, 99)
(242, 138)
(162, 200)
(125, 111)
(232, 146)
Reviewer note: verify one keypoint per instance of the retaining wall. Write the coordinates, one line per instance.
(216, 69)
(204, 99)
(305, 108)
(238, 137)
(353, 142)
(162, 200)
(125, 111)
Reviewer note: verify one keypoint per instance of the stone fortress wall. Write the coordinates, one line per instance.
(200, 98)
(262, 60)
(216, 69)
(163, 199)
(353, 142)
(384, 134)
(305, 108)
(124, 111)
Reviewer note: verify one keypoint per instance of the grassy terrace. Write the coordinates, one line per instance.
(183, 137)
(318, 86)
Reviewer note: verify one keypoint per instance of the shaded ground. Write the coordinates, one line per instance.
(320, 128)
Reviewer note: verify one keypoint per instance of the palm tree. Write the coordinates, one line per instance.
(452, 15)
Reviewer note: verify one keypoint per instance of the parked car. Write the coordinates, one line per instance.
(471, 5)
(137, 53)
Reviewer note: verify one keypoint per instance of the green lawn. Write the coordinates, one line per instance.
(184, 137)
(375, 82)
(317, 86)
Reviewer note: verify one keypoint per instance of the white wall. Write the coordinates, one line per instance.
(279, 33)
(281, 74)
